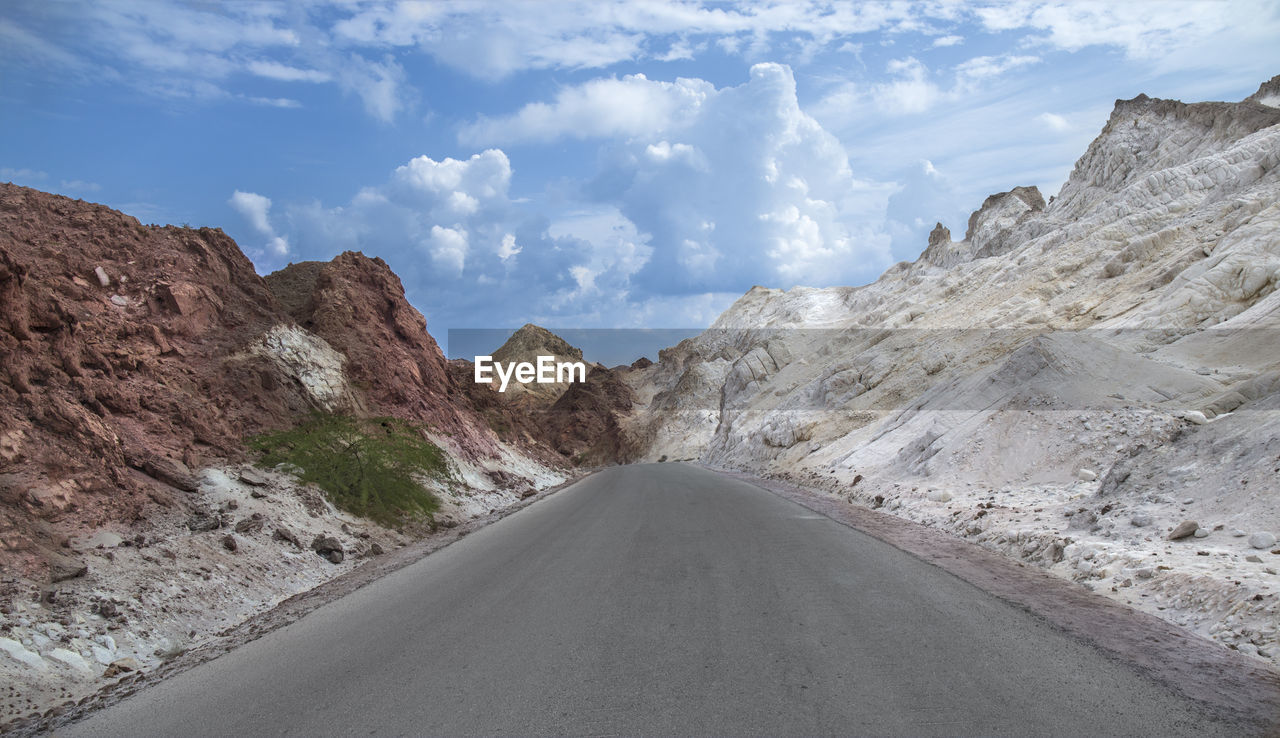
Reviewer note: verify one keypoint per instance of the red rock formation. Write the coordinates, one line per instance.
(114, 342)
(131, 355)
(583, 424)
(357, 304)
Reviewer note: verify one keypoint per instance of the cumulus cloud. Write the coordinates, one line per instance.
(508, 248)
(727, 187)
(741, 187)
(456, 213)
(943, 41)
(256, 210)
(448, 248)
(910, 90)
(924, 197)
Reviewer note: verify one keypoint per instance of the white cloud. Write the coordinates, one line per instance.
(448, 248)
(1142, 30)
(508, 249)
(275, 102)
(1054, 122)
(22, 175)
(982, 68)
(741, 187)
(585, 278)
(911, 90)
(459, 186)
(379, 85)
(495, 39)
(631, 106)
(79, 185)
(256, 210)
(285, 73)
(456, 211)
(203, 52)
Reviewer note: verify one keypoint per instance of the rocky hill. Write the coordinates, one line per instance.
(527, 344)
(1088, 383)
(1075, 382)
(134, 362)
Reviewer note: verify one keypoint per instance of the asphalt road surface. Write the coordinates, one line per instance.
(661, 599)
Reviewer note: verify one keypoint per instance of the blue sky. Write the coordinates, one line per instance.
(589, 165)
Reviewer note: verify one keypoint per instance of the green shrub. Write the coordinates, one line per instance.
(368, 466)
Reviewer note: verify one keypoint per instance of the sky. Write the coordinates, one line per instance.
(635, 165)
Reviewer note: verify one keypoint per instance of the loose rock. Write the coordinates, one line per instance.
(70, 659)
(252, 477)
(251, 524)
(120, 666)
(328, 547)
(1262, 540)
(284, 534)
(203, 520)
(1184, 529)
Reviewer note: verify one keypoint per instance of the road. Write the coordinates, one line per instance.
(661, 599)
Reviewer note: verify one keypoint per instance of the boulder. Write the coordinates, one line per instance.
(253, 477)
(1262, 540)
(328, 547)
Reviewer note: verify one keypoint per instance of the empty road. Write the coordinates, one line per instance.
(661, 599)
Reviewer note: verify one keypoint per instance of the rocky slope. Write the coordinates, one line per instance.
(1073, 383)
(134, 361)
(577, 421)
(527, 344)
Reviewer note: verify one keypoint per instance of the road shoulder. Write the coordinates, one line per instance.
(289, 611)
(1227, 683)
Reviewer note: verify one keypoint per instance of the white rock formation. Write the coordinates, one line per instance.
(1131, 325)
(310, 361)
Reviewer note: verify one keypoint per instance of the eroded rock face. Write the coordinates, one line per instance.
(131, 356)
(357, 305)
(527, 344)
(113, 342)
(1268, 93)
(1128, 326)
(584, 423)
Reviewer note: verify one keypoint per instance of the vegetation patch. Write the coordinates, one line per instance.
(372, 467)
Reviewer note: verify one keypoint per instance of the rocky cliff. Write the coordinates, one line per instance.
(134, 361)
(134, 355)
(1070, 383)
(527, 344)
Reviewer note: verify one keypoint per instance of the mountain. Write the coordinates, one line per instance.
(134, 362)
(1068, 383)
(526, 345)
